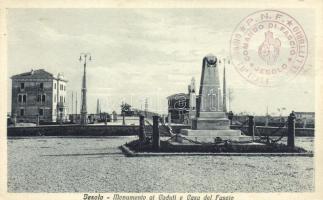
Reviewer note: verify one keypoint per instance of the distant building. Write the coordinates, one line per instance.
(305, 115)
(39, 93)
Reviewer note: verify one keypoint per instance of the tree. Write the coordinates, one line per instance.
(126, 108)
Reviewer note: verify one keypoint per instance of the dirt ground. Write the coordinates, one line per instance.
(45, 164)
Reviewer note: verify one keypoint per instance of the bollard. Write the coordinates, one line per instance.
(105, 119)
(291, 131)
(251, 128)
(37, 120)
(123, 119)
(142, 134)
(156, 141)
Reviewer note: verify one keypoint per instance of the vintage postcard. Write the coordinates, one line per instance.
(175, 100)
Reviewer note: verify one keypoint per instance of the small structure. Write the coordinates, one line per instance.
(178, 107)
(210, 122)
(39, 95)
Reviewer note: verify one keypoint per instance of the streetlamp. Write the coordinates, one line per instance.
(84, 57)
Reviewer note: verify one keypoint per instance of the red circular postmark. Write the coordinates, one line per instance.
(268, 47)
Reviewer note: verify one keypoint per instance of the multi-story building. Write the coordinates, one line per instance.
(39, 95)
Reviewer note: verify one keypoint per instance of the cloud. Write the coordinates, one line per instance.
(134, 51)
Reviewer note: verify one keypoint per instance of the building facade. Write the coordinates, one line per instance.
(305, 115)
(39, 95)
(178, 108)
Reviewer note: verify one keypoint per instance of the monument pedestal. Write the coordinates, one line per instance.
(212, 135)
(209, 126)
(211, 121)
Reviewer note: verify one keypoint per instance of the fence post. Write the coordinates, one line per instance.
(142, 135)
(156, 141)
(291, 131)
(251, 128)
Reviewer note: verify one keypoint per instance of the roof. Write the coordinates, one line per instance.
(36, 74)
(178, 95)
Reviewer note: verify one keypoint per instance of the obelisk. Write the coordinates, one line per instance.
(210, 122)
(210, 115)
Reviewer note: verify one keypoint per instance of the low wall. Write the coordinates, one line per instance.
(274, 131)
(73, 130)
(119, 130)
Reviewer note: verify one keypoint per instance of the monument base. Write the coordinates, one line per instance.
(212, 135)
(211, 121)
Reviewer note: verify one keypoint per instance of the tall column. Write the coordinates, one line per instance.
(97, 106)
(84, 57)
(76, 104)
(224, 92)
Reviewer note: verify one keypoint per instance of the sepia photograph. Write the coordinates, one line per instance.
(218, 100)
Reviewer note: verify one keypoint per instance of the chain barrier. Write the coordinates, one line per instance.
(204, 143)
(168, 129)
(262, 139)
(241, 127)
(267, 139)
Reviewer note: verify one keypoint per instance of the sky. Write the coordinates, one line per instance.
(146, 53)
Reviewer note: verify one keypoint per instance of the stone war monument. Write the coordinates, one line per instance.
(210, 121)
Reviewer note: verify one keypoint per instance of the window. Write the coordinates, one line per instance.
(22, 112)
(19, 98)
(24, 98)
(22, 86)
(38, 98)
(43, 98)
(64, 99)
(41, 86)
(55, 98)
(54, 85)
(41, 112)
(61, 99)
(64, 88)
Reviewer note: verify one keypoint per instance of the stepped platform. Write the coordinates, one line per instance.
(212, 135)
